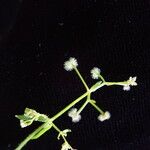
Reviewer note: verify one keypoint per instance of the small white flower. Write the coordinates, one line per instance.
(104, 116)
(95, 73)
(131, 82)
(74, 115)
(66, 146)
(126, 87)
(70, 64)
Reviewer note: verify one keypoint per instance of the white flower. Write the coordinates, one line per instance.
(126, 87)
(74, 115)
(95, 73)
(70, 64)
(66, 146)
(104, 116)
(131, 82)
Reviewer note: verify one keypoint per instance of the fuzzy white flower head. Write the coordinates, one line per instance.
(126, 87)
(95, 73)
(70, 64)
(74, 115)
(131, 82)
(105, 116)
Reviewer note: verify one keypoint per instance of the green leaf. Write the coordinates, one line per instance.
(23, 117)
(42, 118)
(95, 86)
(28, 110)
(41, 132)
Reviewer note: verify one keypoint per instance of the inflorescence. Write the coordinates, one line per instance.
(31, 115)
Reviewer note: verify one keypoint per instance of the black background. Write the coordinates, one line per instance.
(36, 37)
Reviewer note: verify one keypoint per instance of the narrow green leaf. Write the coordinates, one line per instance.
(95, 86)
(23, 117)
(42, 118)
(41, 132)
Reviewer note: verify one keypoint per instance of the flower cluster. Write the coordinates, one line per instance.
(74, 115)
(105, 116)
(70, 64)
(131, 82)
(95, 72)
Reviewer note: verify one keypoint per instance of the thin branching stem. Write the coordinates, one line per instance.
(30, 136)
(49, 123)
(69, 106)
(80, 76)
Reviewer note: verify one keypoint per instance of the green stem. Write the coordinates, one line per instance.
(84, 104)
(101, 77)
(30, 136)
(44, 125)
(116, 83)
(69, 106)
(80, 76)
(95, 106)
(60, 132)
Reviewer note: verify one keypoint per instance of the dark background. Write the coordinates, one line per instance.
(36, 37)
